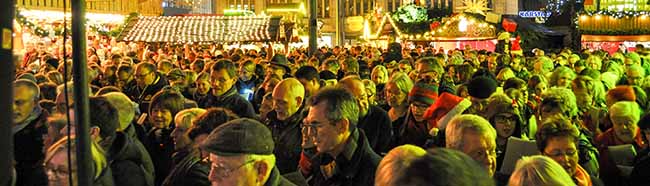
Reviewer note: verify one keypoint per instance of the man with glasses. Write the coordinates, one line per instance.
(224, 94)
(241, 154)
(344, 154)
(148, 82)
(373, 120)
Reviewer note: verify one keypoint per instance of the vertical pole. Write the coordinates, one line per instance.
(337, 10)
(312, 26)
(7, 12)
(85, 172)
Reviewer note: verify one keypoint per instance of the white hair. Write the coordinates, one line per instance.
(461, 124)
(539, 171)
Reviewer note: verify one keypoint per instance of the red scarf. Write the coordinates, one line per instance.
(581, 177)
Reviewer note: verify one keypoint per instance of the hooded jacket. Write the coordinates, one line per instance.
(502, 104)
(130, 162)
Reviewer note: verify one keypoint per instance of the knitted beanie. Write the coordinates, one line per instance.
(424, 93)
(481, 87)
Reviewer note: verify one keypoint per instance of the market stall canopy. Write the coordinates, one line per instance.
(527, 24)
(201, 29)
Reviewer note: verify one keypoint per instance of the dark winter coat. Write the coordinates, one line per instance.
(378, 129)
(28, 152)
(143, 96)
(130, 162)
(287, 136)
(356, 165)
(230, 100)
(161, 149)
(191, 170)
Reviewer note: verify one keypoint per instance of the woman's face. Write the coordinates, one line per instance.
(418, 109)
(505, 124)
(394, 96)
(58, 171)
(564, 80)
(540, 88)
(160, 117)
(379, 77)
(564, 151)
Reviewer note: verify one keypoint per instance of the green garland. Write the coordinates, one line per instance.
(37, 30)
(615, 14)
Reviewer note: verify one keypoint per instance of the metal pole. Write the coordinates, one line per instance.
(337, 11)
(312, 27)
(85, 171)
(7, 12)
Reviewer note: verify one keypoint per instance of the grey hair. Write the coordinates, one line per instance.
(539, 170)
(403, 82)
(459, 125)
(629, 109)
(340, 105)
(563, 97)
(558, 72)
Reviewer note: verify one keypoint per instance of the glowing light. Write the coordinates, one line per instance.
(598, 17)
(584, 17)
(366, 29)
(475, 6)
(462, 25)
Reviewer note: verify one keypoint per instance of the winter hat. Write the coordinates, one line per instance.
(443, 110)
(423, 92)
(53, 62)
(481, 87)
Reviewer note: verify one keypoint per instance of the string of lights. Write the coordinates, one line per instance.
(198, 29)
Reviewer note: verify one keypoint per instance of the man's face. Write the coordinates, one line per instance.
(624, 128)
(285, 102)
(221, 82)
(325, 134)
(202, 86)
(24, 103)
(144, 77)
(231, 171)
(564, 80)
(563, 150)
(481, 149)
(634, 77)
(246, 72)
(359, 91)
(311, 86)
(160, 118)
(274, 69)
(179, 135)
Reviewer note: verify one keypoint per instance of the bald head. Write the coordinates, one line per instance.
(288, 97)
(354, 85)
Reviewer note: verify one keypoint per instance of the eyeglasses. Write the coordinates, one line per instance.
(221, 171)
(504, 119)
(141, 76)
(557, 153)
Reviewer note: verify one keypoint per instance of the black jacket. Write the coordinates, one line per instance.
(28, 152)
(356, 168)
(275, 179)
(161, 149)
(191, 170)
(639, 174)
(287, 136)
(230, 100)
(143, 96)
(130, 162)
(378, 129)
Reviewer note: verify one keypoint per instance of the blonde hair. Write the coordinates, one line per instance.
(539, 170)
(403, 82)
(396, 161)
(97, 153)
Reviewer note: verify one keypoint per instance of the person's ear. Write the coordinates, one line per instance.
(299, 100)
(261, 167)
(343, 125)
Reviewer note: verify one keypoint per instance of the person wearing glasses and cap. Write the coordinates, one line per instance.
(241, 153)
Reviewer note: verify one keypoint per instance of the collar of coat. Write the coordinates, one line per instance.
(347, 163)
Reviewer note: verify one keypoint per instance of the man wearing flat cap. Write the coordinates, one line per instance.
(241, 154)
(279, 65)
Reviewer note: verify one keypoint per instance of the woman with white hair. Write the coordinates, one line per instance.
(539, 171)
(624, 116)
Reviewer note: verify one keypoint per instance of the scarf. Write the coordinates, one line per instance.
(32, 116)
(581, 177)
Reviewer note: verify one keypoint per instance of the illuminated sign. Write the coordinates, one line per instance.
(534, 14)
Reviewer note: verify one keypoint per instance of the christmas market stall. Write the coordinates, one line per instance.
(201, 29)
(615, 25)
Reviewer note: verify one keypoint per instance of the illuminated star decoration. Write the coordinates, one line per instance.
(475, 6)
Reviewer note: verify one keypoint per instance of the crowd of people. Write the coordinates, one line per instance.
(164, 115)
